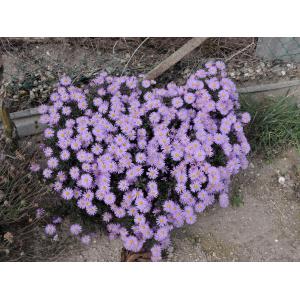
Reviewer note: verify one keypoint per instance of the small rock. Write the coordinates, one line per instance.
(171, 249)
(22, 92)
(281, 180)
(31, 95)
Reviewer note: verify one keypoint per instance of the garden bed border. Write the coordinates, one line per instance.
(26, 121)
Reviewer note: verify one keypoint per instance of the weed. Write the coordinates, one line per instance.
(275, 124)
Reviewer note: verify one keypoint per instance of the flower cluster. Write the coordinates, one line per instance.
(144, 159)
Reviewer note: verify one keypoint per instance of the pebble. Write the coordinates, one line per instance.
(31, 95)
(171, 249)
(281, 180)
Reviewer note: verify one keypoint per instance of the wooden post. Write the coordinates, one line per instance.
(175, 57)
(1, 70)
(9, 127)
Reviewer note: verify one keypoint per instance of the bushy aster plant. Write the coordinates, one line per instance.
(144, 159)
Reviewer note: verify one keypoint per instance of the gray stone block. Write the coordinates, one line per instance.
(282, 48)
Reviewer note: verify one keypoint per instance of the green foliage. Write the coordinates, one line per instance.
(236, 200)
(275, 124)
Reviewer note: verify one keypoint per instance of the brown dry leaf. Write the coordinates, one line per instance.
(20, 156)
(8, 236)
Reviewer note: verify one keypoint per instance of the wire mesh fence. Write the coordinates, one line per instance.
(33, 65)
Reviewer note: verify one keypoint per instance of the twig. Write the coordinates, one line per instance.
(239, 52)
(113, 50)
(139, 46)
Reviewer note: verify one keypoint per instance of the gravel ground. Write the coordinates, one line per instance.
(31, 70)
(265, 228)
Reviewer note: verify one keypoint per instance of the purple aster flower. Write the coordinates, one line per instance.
(54, 97)
(48, 133)
(34, 167)
(39, 213)
(57, 186)
(43, 109)
(168, 206)
(50, 229)
(139, 219)
(65, 81)
(191, 219)
(131, 243)
(86, 181)
(156, 253)
(74, 173)
(223, 95)
(67, 193)
(65, 155)
(57, 220)
(213, 84)
(109, 198)
(177, 102)
(199, 207)
(152, 173)
(66, 110)
(146, 83)
(91, 210)
(212, 70)
(48, 151)
(161, 221)
(75, 229)
(199, 155)
(123, 185)
(161, 233)
(189, 98)
(201, 73)
(220, 65)
(106, 217)
(246, 118)
(61, 176)
(47, 173)
(119, 212)
(177, 155)
(97, 149)
(223, 200)
(85, 239)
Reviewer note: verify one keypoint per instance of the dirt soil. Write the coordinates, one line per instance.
(265, 228)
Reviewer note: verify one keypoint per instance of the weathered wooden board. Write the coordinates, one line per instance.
(175, 57)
